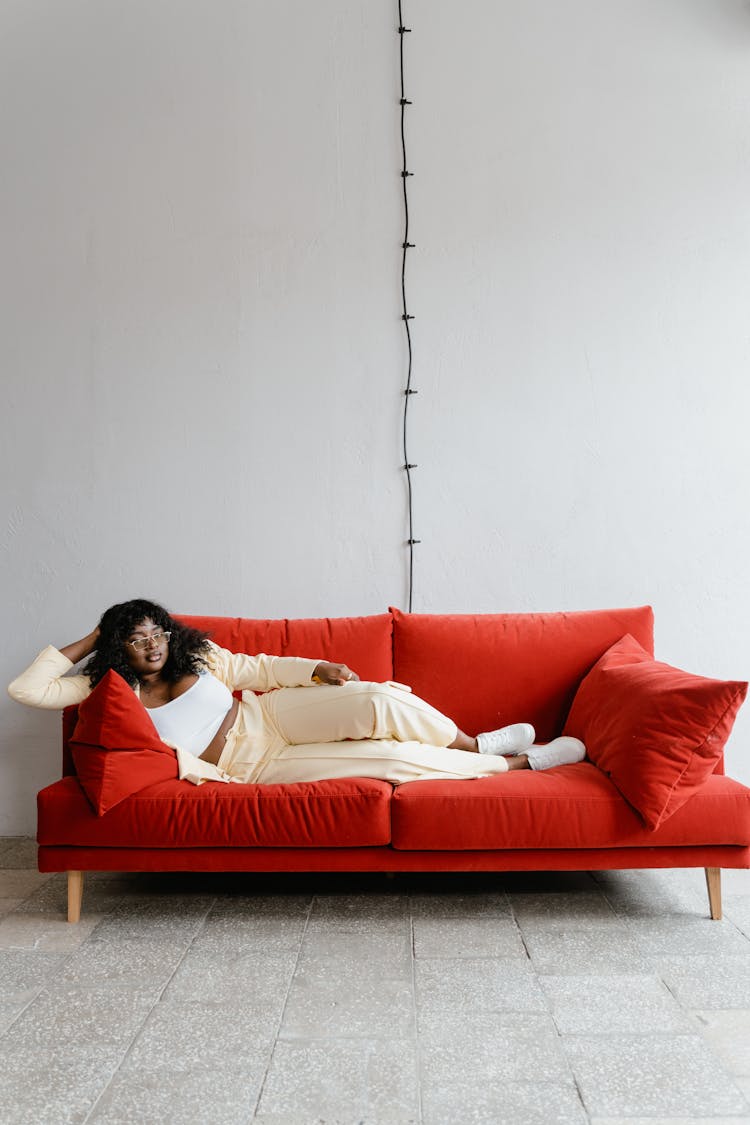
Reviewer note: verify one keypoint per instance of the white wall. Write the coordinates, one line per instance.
(202, 357)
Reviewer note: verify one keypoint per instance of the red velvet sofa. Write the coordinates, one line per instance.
(484, 671)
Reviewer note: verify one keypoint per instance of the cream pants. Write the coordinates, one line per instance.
(353, 730)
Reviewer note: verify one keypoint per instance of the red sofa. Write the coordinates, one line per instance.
(484, 671)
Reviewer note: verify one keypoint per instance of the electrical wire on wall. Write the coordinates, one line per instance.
(405, 247)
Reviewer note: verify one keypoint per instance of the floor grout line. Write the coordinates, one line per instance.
(146, 1018)
(280, 1023)
(415, 1010)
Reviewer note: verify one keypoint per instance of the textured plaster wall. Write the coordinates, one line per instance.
(201, 353)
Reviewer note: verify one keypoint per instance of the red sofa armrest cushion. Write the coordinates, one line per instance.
(656, 731)
(115, 745)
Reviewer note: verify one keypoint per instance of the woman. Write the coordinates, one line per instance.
(313, 720)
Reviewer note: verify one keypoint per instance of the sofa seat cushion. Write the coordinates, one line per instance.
(350, 812)
(575, 806)
(486, 670)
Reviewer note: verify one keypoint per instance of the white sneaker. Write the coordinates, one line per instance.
(562, 751)
(514, 739)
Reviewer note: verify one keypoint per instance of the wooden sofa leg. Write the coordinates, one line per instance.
(75, 895)
(713, 882)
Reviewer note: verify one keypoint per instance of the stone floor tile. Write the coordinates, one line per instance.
(23, 972)
(348, 1081)
(705, 981)
(333, 956)
(349, 960)
(477, 1062)
(502, 1103)
(728, 1033)
(673, 936)
(316, 1119)
(17, 852)
(56, 1087)
(323, 1004)
(461, 906)
(142, 965)
(242, 977)
(201, 1034)
(169, 919)
(680, 882)
(480, 985)
(359, 913)
(467, 937)
(383, 1118)
(737, 900)
(256, 931)
(88, 1017)
(10, 1010)
(670, 1120)
(249, 907)
(9, 904)
(564, 911)
(275, 942)
(656, 893)
(735, 881)
(654, 906)
(611, 1005)
(45, 932)
(21, 883)
(737, 910)
(390, 941)
(470, 1028)
(52, 897)
(200, 1097)
(584, 952)
(645, 1076)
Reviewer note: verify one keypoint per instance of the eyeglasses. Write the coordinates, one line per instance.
(144, 642)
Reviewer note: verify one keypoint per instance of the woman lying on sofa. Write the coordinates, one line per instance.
(320, 723)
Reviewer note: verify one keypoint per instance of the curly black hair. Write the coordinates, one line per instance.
(187, 647)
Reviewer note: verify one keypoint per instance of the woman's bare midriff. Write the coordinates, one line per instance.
(212, 753)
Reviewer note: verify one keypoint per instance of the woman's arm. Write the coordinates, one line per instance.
(240, 671)
(79, 650)
(45, 684)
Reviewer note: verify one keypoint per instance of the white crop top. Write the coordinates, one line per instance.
(192, 719)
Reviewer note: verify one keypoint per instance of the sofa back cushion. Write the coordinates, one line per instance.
(486, 670)
(364, 643)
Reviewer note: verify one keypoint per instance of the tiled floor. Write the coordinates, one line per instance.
(608, 998)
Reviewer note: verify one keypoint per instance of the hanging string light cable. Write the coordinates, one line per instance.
(405, 247)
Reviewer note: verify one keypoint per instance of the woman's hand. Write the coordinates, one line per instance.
(326, 673)
(83, 648)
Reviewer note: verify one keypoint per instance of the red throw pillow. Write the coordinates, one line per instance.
(116, 748)
(656, 731)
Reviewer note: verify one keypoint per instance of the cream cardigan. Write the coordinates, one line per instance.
(45, 683)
